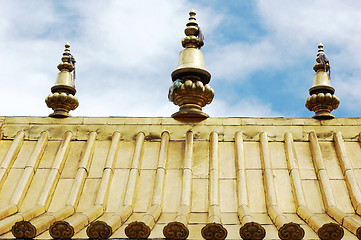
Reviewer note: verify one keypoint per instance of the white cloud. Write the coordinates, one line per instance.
(348, 90)
(244, 108)
(126, 52)
(235, 61)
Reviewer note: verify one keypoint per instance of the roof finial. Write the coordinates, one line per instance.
(62, 99)
(190, 89)
(194, 36)
(322, 100)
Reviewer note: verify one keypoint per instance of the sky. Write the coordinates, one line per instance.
(260, 54)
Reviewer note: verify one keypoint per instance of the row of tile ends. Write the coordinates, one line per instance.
(178, 231)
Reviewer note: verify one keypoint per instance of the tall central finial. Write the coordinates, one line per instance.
(62, 99)
(190, 89)
(322, 100)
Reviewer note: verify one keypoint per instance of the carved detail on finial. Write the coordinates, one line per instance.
(99, 230)
(61, 103)
(191, 97)
(175, 231)
(322, 99)
(322, 104)
(62, 98)
(137, 230)
(67, 61)
(23, 230)
(330, 231)
(61, 230)
(214, 231)
(194, 36)
(291, 231)
(252, 231)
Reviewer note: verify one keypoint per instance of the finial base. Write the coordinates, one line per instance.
(61, 103)
(190, 111)
(59, 114)
(322, 104)
(323, 115)
(190, 97)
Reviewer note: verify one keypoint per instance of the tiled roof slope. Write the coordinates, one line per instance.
(131, 177)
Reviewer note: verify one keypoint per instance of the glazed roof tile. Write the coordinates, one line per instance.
(132, 177)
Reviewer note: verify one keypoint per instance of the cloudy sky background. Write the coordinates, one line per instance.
(260, 54)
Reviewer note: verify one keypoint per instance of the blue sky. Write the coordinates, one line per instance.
(260, 54)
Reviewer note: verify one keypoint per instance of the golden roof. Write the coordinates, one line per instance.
(131, 177)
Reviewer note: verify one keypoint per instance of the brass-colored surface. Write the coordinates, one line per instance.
(190, 89)
(23, 185)
(184, 208)
(250, 229)
(350, 178)
(322, 100)
(152, 215)
(82, 171)
(327, 195)
(44, 221)
(191, 97)
(126, 209)
(62, 98)
(310, 218)
(275, 214)
(91, 167)
(9, 159)
(214, 214)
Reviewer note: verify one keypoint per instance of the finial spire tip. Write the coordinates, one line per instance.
(194, 36)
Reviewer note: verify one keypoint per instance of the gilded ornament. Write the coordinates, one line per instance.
(291, 231)
(137, 230)
(252, 231)
(190, 89)
(330, 231)
(175, 230)
(62, 98)
(191, 97)
(214, 231)
(61, 230)
(23, 230)
(322, 100)
(99, 230)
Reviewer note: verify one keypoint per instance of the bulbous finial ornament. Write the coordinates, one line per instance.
(190, 89)
(62, 98)
(322, 100)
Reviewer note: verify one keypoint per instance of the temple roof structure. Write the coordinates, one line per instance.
(185, 177)
(141, 174)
